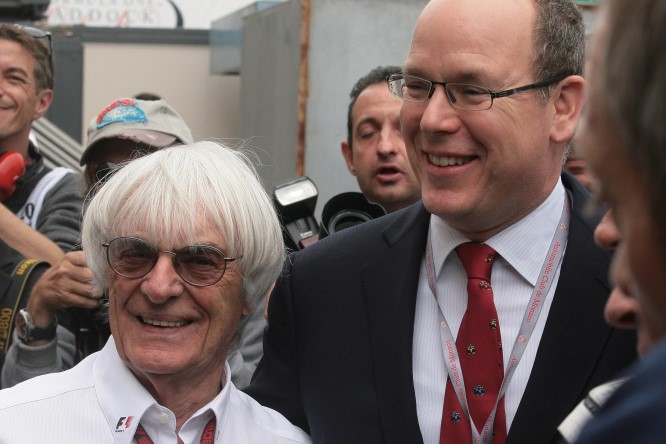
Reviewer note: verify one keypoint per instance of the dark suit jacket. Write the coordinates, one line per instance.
(635, 412)
(338, 348)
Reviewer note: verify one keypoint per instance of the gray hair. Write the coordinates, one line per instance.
(633, 72)
(167, 194)
(559, 39)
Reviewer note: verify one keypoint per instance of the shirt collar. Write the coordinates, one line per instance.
(219, 406)
(124, 401)
(523, 244)
(121, 396)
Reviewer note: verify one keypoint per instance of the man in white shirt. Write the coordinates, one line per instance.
(186, 242)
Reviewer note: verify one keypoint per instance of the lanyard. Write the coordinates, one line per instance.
(207, 436)
(541, 289)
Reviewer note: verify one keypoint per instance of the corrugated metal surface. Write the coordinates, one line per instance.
(56, 146)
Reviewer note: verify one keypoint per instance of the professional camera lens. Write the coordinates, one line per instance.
(345, 219)
(346, 210)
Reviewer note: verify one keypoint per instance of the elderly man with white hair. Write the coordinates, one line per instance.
(186, 242)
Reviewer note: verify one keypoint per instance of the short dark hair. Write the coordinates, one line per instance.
(377, 75)
(37, 49)
(559, 41)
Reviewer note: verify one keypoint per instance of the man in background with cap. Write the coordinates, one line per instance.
(124, 130)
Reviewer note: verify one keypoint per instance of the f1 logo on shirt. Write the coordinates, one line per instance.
(124, 423)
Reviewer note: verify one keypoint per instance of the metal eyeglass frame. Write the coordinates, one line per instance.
(492, 94)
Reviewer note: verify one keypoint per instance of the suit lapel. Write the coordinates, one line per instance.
(389, 286)
(572, 343)
(573, 338)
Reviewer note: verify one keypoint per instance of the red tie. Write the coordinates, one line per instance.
(479, 346)
(207, 436)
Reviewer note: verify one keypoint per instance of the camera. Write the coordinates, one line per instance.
(89, 325)
(295, 201)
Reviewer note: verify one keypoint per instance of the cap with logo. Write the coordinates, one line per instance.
(151, 122)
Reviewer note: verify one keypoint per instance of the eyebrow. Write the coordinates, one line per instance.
(366, 120)
(16, 69)
(475, 77)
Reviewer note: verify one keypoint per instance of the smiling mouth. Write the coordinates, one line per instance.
(163, 324)
(444, 161)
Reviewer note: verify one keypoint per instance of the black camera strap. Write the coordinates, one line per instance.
(12, 300)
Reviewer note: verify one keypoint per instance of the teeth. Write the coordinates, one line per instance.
(162, 323)
(447, 160)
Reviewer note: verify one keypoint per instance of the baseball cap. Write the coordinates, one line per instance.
(152, 122)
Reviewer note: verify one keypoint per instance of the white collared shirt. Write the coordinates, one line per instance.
(101, 401)
(522, 248)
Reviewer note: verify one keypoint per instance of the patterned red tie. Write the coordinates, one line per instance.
(479, 346)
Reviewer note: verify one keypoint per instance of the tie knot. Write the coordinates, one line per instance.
(477, 259)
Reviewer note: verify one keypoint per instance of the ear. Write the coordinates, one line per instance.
(348, 154)
(567, 102)
(268, 297)
(44, 99)
(247, 311)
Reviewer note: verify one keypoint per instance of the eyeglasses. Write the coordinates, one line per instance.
(198, 265)
(38, 34)
(460, 95)
(105, 170)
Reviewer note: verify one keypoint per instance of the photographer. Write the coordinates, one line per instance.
(41, 207)
(124, 130)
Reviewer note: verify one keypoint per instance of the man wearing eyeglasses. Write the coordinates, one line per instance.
(477, 316)
(41, 207)
(187, 243)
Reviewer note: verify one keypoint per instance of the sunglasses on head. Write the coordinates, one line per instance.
(38, 34)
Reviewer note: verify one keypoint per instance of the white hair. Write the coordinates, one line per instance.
(168, 194)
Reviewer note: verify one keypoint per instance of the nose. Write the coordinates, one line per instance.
(607, 234)
(163, 282)
(621, 310)
(389, 140)
(439, 115)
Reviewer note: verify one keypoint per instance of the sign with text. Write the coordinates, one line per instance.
(191, 14)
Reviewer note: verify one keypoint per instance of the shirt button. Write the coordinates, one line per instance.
(163, 418)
